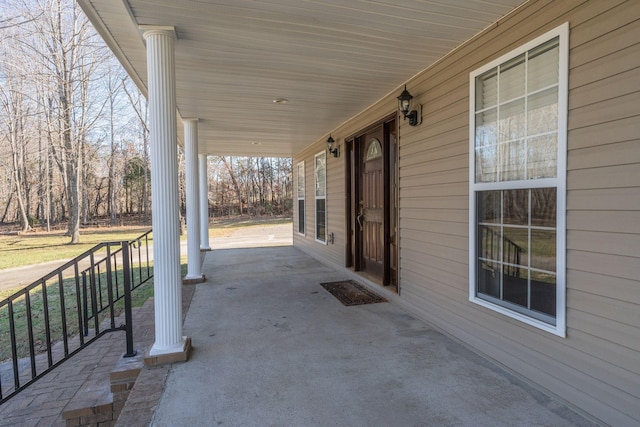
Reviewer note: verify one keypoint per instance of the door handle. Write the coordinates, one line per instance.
(359, 219)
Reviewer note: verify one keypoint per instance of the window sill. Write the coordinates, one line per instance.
(558, 330)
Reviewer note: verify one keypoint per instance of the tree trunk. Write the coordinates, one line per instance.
(13, 106)
(234, 181)
(24, 219)
(145, 188)
(111, 203)
(6, 208)
(73, 170)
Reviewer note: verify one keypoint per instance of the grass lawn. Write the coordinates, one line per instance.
(227, 227)
(18, 250)
(34, 248)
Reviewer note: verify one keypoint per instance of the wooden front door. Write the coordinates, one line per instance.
(372, 203)
(370, 213)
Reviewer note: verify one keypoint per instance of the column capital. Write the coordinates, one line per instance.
(149, 30)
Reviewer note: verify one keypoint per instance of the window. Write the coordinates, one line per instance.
(301, 199)
(517, 179)
(320, 169)
(374, 151)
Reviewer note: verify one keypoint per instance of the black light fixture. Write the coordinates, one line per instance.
(333, 151)
(404, 105)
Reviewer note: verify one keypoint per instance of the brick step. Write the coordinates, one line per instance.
(101, 398)
(100, 371)
(144, 397)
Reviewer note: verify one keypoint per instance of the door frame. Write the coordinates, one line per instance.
(354, 145)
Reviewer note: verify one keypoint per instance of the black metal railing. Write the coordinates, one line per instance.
(491, 244)
(55, 317)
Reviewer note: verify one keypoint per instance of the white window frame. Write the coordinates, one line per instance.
(322, 154)
(559, 182)
(301, 197)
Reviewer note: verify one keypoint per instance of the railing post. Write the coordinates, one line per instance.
(128, 316)
(85, 306)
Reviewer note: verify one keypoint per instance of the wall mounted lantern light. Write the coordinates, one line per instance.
(405, 104)
(333, 151)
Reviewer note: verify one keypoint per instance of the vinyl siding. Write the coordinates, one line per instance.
(334, 254)
(597, 366)
(329, 253)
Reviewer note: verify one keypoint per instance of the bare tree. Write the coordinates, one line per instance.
(261, 184)
(75, 145)
(114, 84)
(15, 110)
(139, 106)
(65, 46)
(230, 170)
(57, 144)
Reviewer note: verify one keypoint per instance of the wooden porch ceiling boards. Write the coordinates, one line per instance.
(330, 58)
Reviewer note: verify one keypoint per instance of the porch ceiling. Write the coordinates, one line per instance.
(329, 58)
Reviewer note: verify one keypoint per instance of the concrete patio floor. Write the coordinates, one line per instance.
(274, 348)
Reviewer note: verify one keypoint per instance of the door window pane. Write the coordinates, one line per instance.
(374, 151)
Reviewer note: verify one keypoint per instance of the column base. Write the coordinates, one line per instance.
(157, 357)
(207, 249)
(192, 280)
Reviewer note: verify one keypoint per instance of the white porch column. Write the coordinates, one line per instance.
(204, 203)
(165, 203)
(194, 273)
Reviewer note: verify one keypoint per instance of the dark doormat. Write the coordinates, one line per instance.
(350, 292)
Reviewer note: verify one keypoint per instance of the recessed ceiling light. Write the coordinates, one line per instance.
(280, 101)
